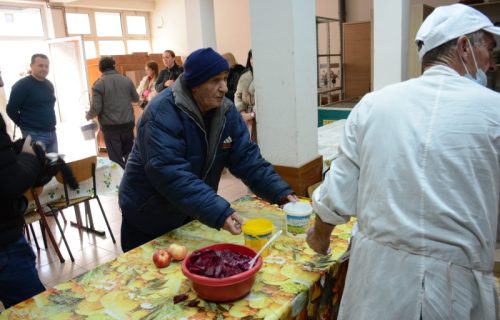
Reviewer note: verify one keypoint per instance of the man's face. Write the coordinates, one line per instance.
(211, 93)
(168, 60)
(40, 68)
(483, 52)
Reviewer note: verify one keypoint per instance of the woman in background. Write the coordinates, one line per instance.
(244, 98)
(146, 89)
(235, 70)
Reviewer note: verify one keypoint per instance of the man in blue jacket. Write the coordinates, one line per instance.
(185, 138)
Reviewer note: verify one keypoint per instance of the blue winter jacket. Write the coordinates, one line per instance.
(173, 171)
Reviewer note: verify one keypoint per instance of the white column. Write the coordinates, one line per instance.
(200, 25)
(390, 41)
(284, 52)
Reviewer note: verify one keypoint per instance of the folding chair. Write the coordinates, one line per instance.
(83, 169)
(38, 214)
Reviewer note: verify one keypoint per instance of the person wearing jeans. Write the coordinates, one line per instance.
(31, 104)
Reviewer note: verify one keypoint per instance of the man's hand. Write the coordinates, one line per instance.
(168, 83)
(289, 198)
(247, 115)
(233, 223)
(27, 148)
(318, 237)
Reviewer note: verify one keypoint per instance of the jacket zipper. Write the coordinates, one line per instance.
(215, 153)
(206, 140)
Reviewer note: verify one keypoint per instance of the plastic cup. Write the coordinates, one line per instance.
(256, 233)
(298, 217)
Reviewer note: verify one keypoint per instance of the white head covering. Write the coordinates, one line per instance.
(450, 22)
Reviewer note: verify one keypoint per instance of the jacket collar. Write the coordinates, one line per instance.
(440, 70)
(109, 72)
(184, 100)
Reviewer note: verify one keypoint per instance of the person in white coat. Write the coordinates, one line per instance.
(427, 198)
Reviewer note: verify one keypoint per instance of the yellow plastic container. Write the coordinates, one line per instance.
(257, 232)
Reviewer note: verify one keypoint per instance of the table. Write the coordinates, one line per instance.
(108, 177)
(329, 137)
(293, 283)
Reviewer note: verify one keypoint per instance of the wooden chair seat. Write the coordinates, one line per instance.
(31, 217)
(63, 204)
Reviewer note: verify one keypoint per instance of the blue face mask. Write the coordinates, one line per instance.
(480, 75)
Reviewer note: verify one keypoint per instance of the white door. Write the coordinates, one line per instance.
(69, 72)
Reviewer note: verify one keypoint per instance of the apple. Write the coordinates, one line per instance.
(161, 258)
(177, 252)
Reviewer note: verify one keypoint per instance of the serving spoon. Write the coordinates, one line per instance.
(254, 259)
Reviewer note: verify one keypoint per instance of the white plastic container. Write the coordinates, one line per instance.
(89, 130)
(298, 217)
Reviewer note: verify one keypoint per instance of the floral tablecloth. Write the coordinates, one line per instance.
(294, 282)
(108, 177)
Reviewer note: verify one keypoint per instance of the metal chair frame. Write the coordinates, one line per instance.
(39, 214)
(82, 169)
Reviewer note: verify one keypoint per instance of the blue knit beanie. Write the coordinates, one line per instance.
(201, 65)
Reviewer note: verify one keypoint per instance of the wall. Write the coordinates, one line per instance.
(358, 10)
(435, 3)
(327, 9)
(168, 27)
(232, 28)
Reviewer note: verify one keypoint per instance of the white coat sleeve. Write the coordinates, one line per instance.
(336, 199)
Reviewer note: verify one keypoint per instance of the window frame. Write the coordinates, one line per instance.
(123, 18)
(17, 6)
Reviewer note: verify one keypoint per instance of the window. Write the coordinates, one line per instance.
(138, 46)
(78, 23)
(90, 51)
(21, 22)
(22, 33)
(329, 60)
(111, 47)
(109, 32)
(108, 24)
(136, 25)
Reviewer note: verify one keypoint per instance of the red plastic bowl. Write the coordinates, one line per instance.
(224, 289)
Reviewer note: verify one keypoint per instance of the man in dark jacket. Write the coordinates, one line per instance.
(18, 172)
(31, 104)
(185, 138)
(112, 97)
(171, 72)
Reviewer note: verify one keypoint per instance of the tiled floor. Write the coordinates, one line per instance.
(90, 250)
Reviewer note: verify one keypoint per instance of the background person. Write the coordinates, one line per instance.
(112, 97)
(244, 98)
(428, 200)
(235, 71)
(170, 73)
(18, 172)
(31, 104)
(146, 88)
(3, 108)
(185, 137)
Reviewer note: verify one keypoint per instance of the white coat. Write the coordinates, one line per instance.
(419, 165)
